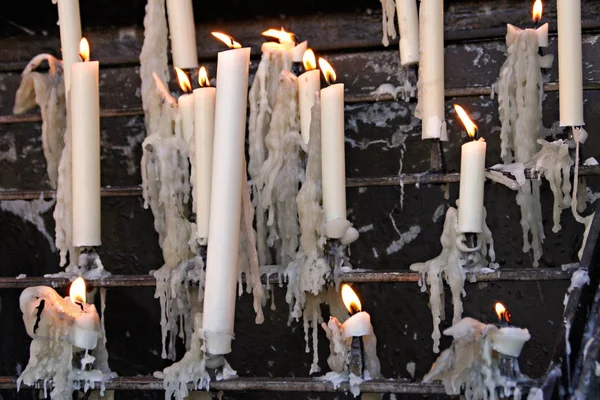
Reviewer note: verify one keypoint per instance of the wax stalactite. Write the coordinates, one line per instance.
(185, 107)
(388, 9)
(69, 23)
(183, 33)
(334, 165)
(85, 124)
(226, 196)
(204, 125)
(308, 83)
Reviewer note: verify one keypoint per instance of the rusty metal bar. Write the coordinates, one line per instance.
(350, 99)
(422, 178)
(356, 276)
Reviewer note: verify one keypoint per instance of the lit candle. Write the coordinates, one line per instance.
(69, 22)
(204, 129)
(570, 65)
(226, 195)
(359, 324)
(308, 83)
(185, 105)
(472, 178)
(508, 340)
(183, 33)
(408, 23)
(542, 31)
(85, 128)
(86, 323)
(431, 70)
(286, 44)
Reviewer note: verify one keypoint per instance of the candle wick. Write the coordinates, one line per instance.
(80, 304)
(39, 308)
(476, 136)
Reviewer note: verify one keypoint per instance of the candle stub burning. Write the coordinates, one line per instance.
(84, 50)
(184, 81)
(508, 340)
(359, 324)
(228, 40)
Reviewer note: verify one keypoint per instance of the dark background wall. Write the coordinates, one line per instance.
(348, 33)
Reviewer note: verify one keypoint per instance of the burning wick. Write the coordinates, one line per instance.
(228, 40)
(328, 71)
(357, 347)
(350, 299)
(184, 81)
(84, 50)
(281, 35)
(537, 13)
(471, 128)
(503, 314)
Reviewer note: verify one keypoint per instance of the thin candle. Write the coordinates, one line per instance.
(308, 83)
(185, 105)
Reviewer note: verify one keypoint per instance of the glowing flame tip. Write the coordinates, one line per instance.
(350, 299)
(84, 49)
(537, 10)
(228, 40)
(467, 122)
(281, 35)
(184, 81)
(502, 312)
(77, 292)
(309, 60)
(328, 71)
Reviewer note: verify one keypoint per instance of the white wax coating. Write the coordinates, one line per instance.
(69, 22)
(509, 341)
(85, 155)
(358, 325)
(542, 35)
(185, 104)
(408, 22)
(308, 83)
(204, 129)
(183, 33)
(333, 160)
(298, 51)
(431, 69)
(86, 328)
(472, 179)
(570, 65)
(226, 198)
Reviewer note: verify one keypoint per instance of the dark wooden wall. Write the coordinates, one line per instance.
(348, 33)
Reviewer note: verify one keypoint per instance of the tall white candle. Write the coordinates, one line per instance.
(204, 128)
(408, 23)
(69, 22)
(570, 65)
(431, 70)
(332, 145)
(225, 199)
(472, 179)
(308, 83)
(85, 125)
(185, 105)
(183, 33)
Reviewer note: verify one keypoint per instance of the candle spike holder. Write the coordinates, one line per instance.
(214, 365)
(335, 258)
(357, 352)
(437, 163)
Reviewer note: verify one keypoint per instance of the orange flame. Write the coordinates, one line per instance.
(309, 60)
(469, 125)
(203, 77)
(281, 35)
(350, 299)
(502, 312)
(184, 81)
(537, 10)
(77, 292)
(328, 71)
(228, 40)
(84, 49)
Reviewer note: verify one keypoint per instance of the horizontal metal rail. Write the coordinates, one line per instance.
(422, 178)
(356, 276)
(349, 99)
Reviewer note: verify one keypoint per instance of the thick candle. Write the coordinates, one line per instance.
(308, 83)
(183, 33)
(408, 23)
(570, 65)
(70, 35)
(85, 155)
(204, 124)
(226, 195)
(431, 70)
(332, 144)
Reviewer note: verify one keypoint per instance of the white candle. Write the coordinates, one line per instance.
(308, 83)
(472, 179)
(408, 22)
(69, 22)
(333, 163)
(183, 33)
(509, 341)
(85, 128)
(358, 325)
(570, 65)
(185, 105)
(431, 70)
(204, 124)
(225, 203)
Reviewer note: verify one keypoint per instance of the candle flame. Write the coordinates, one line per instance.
(502, 312)
(537, 10)
(281, 35)
(469, 125)
(228, 40)
(309, 60)
(350, 299)
(328, 71)
(184, 81)
(203, 77)
(77, 292)
(84, 49)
